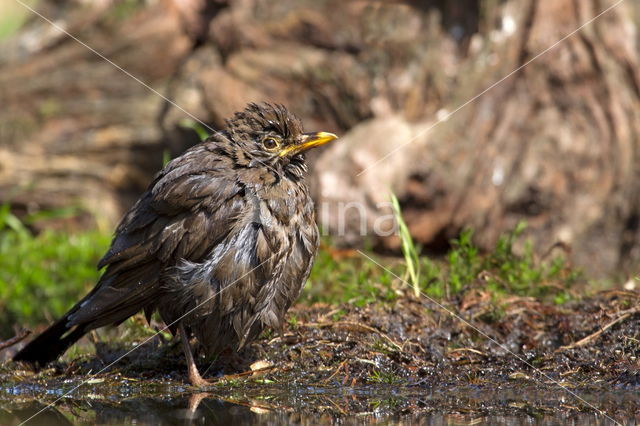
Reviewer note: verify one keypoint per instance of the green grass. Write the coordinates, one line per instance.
(409, 249)
(353, 280)
(200, 130)
(503, 271)
(42, 275)
(384, 377)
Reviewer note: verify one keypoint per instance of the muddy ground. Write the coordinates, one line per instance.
(408, 359)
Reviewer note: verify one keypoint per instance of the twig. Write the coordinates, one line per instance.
(324, 317)
(14, 339)
(248, 373)
(357, 325)
(335, 372)
(475, 351)
(599, 332)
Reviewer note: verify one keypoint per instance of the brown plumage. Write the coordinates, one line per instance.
(220, 244)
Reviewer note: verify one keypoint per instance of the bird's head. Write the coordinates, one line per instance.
(270, 134)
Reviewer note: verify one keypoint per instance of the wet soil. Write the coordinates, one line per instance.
(510, 361)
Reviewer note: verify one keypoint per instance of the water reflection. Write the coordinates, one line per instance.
(501, 406)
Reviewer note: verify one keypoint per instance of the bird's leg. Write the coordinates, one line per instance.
(194, 375)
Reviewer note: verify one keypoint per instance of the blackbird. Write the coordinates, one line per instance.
(220, 244)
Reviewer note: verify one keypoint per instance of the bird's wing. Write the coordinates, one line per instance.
(189, 207)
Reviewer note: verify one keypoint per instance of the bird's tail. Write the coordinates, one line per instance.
(104, 305)
(51, 343)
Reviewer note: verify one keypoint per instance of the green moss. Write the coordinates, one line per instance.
(506, 272)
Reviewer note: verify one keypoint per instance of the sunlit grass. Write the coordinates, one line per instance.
(42, 275)
(409, 250)
(501, 272)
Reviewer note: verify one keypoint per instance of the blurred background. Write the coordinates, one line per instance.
(410, 87)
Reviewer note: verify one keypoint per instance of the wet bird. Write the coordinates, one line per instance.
(220, 244)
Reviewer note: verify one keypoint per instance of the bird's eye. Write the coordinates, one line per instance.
(270, 143)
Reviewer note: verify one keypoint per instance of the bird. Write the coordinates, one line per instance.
(220, 244)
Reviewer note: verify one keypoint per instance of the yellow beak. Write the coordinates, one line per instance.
(309, 140)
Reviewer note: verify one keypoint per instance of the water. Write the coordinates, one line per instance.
(173, 405)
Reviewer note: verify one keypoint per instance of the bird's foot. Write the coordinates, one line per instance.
(196, 379)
